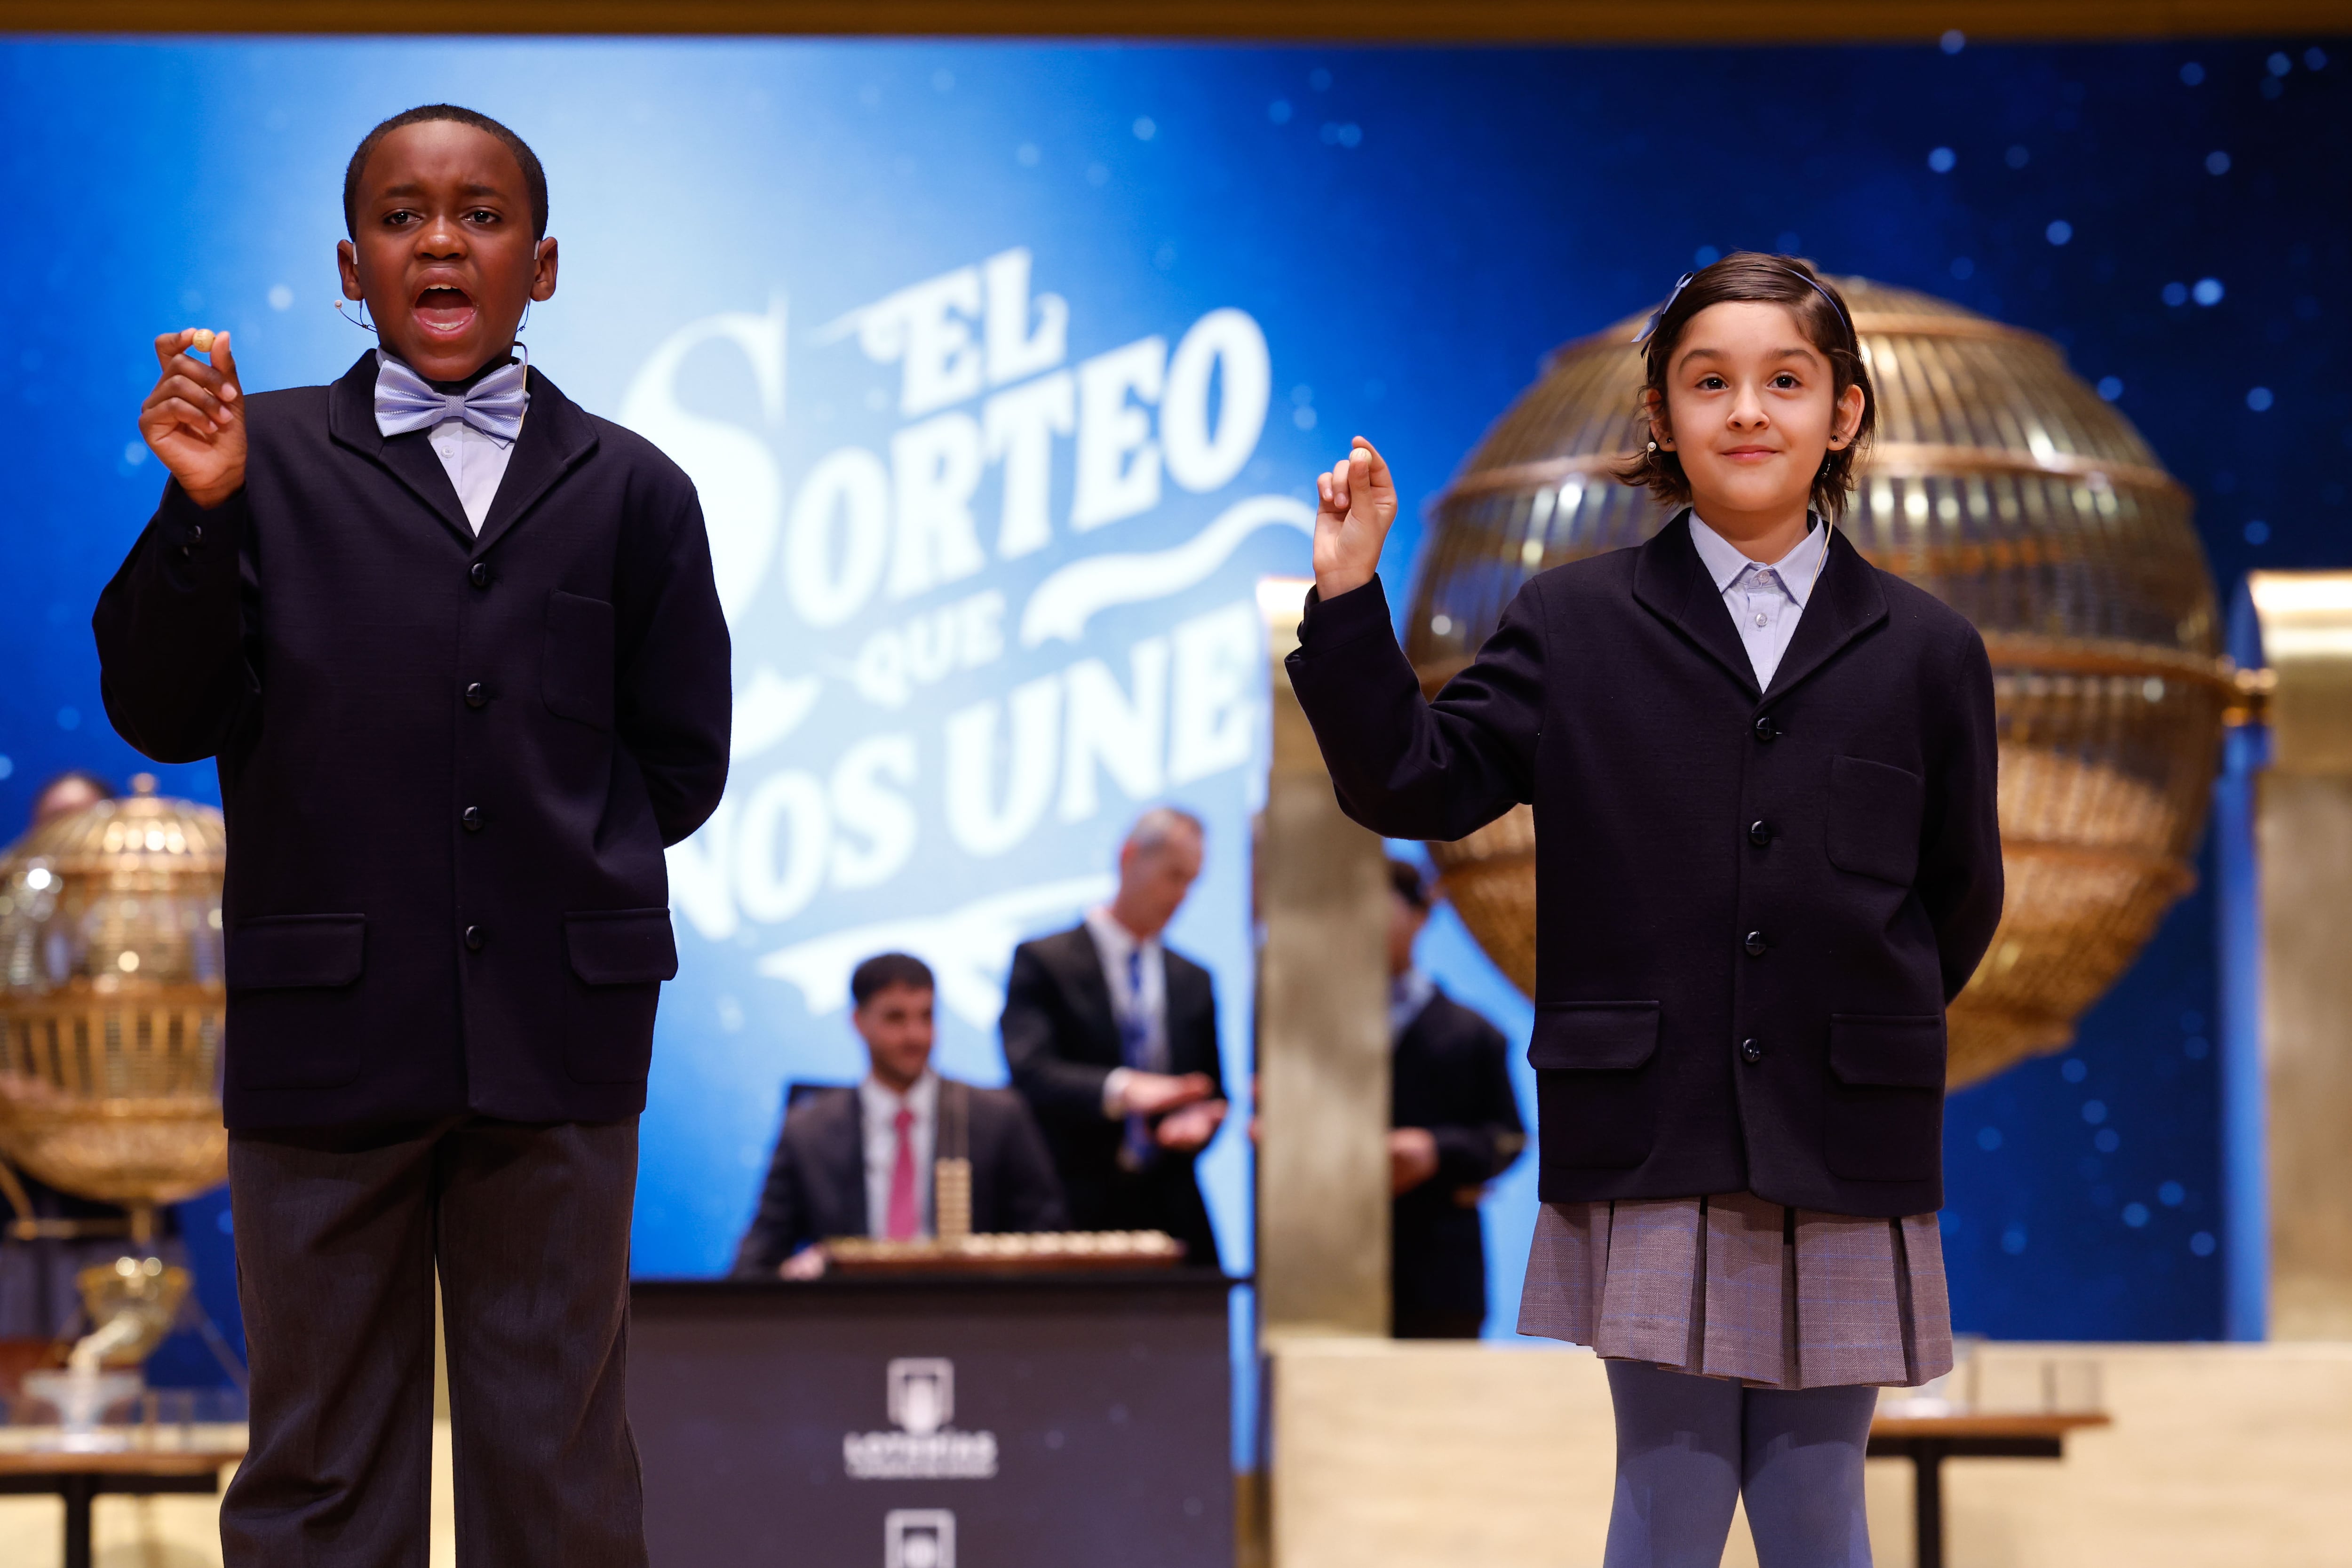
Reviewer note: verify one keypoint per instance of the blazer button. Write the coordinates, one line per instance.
(1756, 945)
(480, 576)
(1765, 729)
(477, 695)
(1759, 834)
(1751, 1052)
(195, 533)
(472, 818)
(475, 937)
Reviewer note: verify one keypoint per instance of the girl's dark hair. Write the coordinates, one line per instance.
(534, 178)
(1821, 311)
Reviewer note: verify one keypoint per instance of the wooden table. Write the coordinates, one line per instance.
(80, 1477)
(1928, 1440)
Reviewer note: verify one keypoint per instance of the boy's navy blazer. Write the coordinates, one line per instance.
(450, 763)
(1752, 906)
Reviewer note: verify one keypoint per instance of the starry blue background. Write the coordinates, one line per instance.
(1415, 229)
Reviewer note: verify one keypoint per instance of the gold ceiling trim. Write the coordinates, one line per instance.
(1355, 22)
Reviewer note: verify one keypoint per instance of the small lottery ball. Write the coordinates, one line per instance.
(203, 342)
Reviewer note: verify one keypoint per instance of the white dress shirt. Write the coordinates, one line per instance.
(1409, 996)
(1766, 601)
(880, 1107)
(1113, 942)
(475, 461)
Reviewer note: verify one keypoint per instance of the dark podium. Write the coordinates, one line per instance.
(1064, 1420)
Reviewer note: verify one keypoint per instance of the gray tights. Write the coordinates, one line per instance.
(1689, 1447)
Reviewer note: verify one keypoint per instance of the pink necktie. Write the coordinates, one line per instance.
(905, 1217)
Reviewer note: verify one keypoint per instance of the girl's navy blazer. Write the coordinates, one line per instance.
(450, 763)
(1751, 906)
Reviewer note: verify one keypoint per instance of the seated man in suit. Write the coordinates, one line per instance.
(859, 1162)
(1456, 1127)
(1112, 1039)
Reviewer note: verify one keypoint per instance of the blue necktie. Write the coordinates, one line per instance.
(1134, 1052)
(406, 401)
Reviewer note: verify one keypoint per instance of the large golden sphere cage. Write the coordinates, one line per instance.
(110, 1001)
(2002, 484)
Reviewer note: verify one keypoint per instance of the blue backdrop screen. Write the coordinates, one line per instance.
(1005, 370)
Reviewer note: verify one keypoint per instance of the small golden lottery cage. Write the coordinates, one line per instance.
(111, 1002)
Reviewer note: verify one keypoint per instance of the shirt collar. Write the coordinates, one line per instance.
(1798, 570)
(882, 1101)
(1408, 993)
(1114, 939)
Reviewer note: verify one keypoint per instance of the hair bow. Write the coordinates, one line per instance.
(1650, 328)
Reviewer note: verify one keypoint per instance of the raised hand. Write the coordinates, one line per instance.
(1359, 503)
(194, 419)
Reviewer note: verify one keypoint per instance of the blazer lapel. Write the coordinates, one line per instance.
(846, 1140)
(1081, 974)
(410, 458)
(556, 435)
(1672, 582)
(1845, 603)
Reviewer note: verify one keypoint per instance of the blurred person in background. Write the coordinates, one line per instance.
(1455, 1128)
(861, 1161)
(75, 789)
(1112, 1039)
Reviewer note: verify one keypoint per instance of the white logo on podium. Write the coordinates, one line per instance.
(918, 1537)
(922, 1392)
(921, 1402)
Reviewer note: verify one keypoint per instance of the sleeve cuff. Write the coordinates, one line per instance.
(1334, 623)
(193, 538)
(1114, 1095)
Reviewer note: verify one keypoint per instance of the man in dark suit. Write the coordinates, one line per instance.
(456, 647)
(1456, 1127)
(1112, 1039)
(863, 1161)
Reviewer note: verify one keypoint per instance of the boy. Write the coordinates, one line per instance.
(456, 647)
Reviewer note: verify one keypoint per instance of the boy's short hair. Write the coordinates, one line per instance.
(534, 177)
(884, 970)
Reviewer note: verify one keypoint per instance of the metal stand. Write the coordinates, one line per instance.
(1927, 1456)
(79, 1489)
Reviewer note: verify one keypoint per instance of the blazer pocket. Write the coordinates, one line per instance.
(292, 977)
(1596, 1102)
(283, 953)
(617, 959)
(576, 679)
(1874, 818)
(1885, 1117)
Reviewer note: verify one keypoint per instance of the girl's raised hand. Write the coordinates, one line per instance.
(194, 419)
(1359, 502)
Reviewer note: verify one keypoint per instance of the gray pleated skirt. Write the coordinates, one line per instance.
(1733, 1287)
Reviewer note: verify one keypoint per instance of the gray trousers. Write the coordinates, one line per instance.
(339, 1235)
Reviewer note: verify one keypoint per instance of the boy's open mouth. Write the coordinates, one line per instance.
(444, 311)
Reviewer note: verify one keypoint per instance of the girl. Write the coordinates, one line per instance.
(1762, 774)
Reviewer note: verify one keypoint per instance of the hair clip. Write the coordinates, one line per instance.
(1659, 314)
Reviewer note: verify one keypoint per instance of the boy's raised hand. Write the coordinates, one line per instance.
(1359, 502)
(194, 419)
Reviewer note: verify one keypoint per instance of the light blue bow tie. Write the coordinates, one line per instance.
(406, 401)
